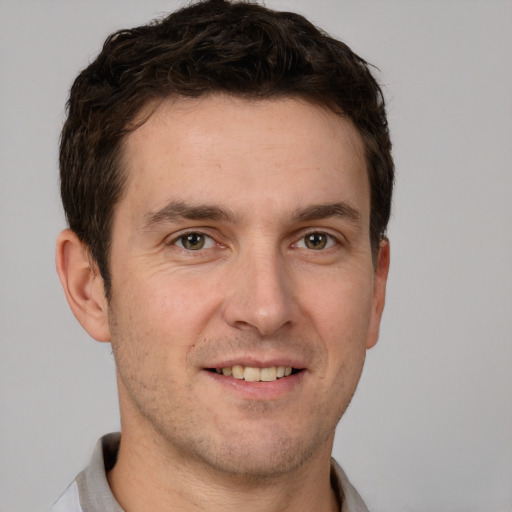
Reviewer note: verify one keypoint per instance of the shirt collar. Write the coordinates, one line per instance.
(96, 496)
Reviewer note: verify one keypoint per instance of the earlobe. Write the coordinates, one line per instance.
(379, 292)
(82, 285)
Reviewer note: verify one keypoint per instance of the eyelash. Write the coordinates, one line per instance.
(330, 241)
(181, 238)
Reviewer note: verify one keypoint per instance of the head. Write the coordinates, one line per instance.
(226, 172)
(239, 49)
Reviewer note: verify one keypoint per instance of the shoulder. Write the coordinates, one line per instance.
(90, 491)
(348, 496)
(69, 500)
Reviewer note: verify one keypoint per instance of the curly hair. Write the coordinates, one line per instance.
(213, 46)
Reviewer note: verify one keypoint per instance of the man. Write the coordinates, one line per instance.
(226, 175)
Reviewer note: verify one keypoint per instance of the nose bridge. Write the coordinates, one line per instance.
(261, 295)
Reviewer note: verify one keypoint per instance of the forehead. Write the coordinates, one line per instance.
(243, 152)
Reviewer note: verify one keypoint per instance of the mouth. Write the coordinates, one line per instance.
(254, 374)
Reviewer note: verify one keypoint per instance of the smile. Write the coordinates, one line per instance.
(252, 374)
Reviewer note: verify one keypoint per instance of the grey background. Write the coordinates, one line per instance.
(430, 428)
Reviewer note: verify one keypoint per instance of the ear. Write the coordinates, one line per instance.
(379, 292)
(82, 285)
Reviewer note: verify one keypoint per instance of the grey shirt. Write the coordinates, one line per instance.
(90, 491)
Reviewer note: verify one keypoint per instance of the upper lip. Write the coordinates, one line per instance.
(257, 362)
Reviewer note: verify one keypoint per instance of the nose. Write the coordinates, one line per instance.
(260, 294)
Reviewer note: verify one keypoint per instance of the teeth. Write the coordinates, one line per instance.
(237, 372)
(268, 374)
(252, 374)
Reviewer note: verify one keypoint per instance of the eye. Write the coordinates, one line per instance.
(316, 241)
(194, 241)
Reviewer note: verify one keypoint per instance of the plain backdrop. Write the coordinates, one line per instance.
(430, 427)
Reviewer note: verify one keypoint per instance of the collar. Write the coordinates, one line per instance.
(95, 494)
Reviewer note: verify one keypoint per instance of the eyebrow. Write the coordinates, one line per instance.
(180, 210)
(341, 210)
(175, 210)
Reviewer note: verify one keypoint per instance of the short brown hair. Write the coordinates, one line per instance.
(237, 48)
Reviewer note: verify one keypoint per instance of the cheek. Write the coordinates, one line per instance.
(342, 311)
(341, 306)
(164, 311)
(183, 306)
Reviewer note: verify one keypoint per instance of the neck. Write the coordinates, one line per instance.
(149, 475)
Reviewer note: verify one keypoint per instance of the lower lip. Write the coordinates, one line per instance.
(258, 391)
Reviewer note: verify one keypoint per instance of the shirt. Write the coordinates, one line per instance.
(90, 491)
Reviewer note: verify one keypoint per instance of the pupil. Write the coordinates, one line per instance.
(193, 241)
(316, 241)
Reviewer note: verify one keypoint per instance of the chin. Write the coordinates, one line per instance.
(259, 455)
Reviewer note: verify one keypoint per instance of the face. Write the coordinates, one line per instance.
(241, 253)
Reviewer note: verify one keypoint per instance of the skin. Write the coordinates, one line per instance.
(277, 193)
